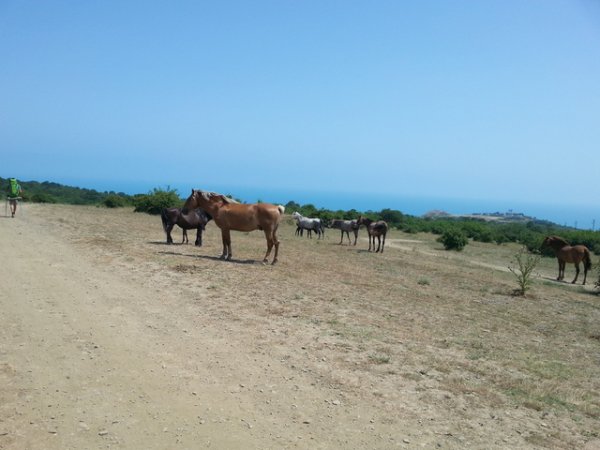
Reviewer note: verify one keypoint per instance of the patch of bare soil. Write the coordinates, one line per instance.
(109, 338)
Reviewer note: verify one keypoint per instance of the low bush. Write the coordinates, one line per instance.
(114, 201)
(454, 240)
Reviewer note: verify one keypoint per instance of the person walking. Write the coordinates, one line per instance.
(14, 195)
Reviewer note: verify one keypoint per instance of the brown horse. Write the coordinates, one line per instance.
(375, 230)
(231, 215)
(569, 254)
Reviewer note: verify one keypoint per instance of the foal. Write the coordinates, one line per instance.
(375, 230)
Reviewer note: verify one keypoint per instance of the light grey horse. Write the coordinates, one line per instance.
(345, 226)
(309, 224)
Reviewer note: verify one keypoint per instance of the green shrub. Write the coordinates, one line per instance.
(114, 201)
(155, 201)
(453, 240)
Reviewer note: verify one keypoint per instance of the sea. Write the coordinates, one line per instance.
(573, 215)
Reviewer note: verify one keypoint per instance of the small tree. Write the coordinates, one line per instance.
(525, 264)
(453, 240)
(155, 201)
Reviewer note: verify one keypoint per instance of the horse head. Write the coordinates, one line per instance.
(191, 202)
(554, 242)
(363, 221)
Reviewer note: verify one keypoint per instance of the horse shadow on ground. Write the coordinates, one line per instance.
(165, 244)
(588, 288)
(212, 258)
(564, 282)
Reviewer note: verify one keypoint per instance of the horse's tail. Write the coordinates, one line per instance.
(281, 209)
(165, 218)
(587, 260)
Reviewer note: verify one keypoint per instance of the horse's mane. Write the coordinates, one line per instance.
(209, 195)
(559, 239)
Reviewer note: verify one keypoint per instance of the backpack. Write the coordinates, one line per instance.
(14, 187)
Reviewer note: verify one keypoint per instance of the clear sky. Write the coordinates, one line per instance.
(489, 100)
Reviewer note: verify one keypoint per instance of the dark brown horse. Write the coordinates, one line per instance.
(566, 253)
(230, 215)
(187, 220)
(375, 230)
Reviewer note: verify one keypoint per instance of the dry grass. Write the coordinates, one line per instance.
(440, 325)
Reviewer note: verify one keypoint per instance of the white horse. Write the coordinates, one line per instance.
(309, 224)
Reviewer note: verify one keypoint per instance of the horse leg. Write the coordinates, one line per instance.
(559, 269)
(378, 243)
(355, 237)
(198, 242)
(184, 237)
(576, 273)
(169, 238)
(383, 243)
(276, 243)
(226, 237)
(271, 240)
(229, 251)
(585, 268)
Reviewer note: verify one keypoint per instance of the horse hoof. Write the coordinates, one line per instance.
(274, 261)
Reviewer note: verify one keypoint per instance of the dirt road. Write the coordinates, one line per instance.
(91, 358)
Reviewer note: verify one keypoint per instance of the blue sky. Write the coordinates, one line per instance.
(484, 100)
